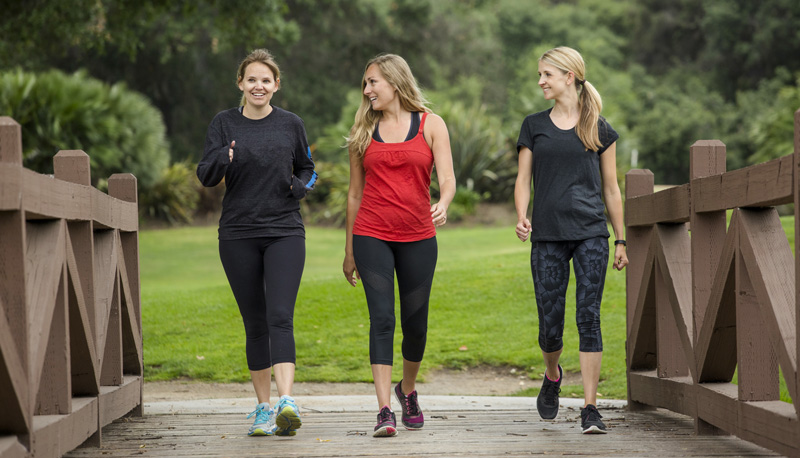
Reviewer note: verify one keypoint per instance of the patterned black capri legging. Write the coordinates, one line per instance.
(550, 269)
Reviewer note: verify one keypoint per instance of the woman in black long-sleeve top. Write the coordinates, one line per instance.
(262, 153)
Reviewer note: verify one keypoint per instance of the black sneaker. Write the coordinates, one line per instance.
(590, 421)
(387, 425)
(547, 400)
(412, 415)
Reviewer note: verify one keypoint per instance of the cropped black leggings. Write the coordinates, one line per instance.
(550, 269)
(377, 261)
(264, 274)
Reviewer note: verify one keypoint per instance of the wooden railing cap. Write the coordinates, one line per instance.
(639, 172)
(71, 153)
(708, 143)
(8, 121)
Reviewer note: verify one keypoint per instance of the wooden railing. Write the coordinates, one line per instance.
(706, 299)
(70, 318)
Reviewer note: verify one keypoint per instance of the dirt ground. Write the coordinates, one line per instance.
(481, 381)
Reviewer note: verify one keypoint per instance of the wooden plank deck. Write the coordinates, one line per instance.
(479, 429)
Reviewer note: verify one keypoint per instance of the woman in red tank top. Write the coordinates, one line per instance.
(391, 224)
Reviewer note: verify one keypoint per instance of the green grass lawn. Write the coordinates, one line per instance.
(482, 311)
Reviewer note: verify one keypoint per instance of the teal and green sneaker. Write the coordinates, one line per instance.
(287, 417)
(264, 424)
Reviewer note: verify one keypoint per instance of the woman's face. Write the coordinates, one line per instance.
(258, 85)
(552, 80)
(377, 89)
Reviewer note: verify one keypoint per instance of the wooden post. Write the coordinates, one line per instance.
(10, 141)
(74, 166)
(707, 158)
(124, 186)
(15, 392)
(708, 229)
(637, 183)
(796, 179)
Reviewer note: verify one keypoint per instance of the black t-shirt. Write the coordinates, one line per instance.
(271, 171)
(567, 202)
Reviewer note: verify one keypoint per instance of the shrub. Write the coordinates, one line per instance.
(327, 204)
(483, 160)
(173, 197)
(464, 203)
(118, 128)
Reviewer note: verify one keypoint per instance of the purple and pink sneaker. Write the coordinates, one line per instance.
(412, 414)
(387, 426)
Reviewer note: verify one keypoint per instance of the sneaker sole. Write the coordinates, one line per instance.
(594, 430)
(412, 426)
(260, 432)
(548, 417)
(386, 431)
(288, 422)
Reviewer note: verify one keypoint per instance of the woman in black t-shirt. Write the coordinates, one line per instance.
(262, 153)
(569, 152)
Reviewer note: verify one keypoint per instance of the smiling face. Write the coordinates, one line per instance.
(377, 89)
(258, 84)
(553, 80)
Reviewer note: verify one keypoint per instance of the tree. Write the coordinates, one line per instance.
(746, 41)
(674, 115)
(181, 54)
(118, 128)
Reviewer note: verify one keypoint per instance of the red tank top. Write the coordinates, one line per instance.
(396, 204)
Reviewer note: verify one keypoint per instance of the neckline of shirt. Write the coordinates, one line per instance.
(566, 131)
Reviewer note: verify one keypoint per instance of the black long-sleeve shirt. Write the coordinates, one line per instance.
(271, 171)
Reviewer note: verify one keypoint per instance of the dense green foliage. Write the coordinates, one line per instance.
(670, 73)
(119, 129)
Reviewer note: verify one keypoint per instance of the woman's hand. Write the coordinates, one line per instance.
(438, 214)
(230, 151)
(523, 229)
(620, 257)
(349, 269)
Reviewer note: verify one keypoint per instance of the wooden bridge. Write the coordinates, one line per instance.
(707, 301)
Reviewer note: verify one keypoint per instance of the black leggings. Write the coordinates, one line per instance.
(264, 274)
(414, 262)
(550, 269)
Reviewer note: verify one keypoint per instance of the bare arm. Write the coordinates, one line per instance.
(354, 194)
(439, 140)
(522, 193)
(613, 200)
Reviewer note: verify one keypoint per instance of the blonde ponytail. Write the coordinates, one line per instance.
(590, 104)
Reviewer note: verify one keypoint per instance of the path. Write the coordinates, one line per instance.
(337, 426)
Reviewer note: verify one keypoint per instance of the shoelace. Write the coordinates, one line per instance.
(591, 414)
(550, 392)
(412, 406)
(384, 415)
(262, 415)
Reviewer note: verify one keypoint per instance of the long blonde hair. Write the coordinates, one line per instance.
(589, 102)
(258, 55)
(397, 73)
